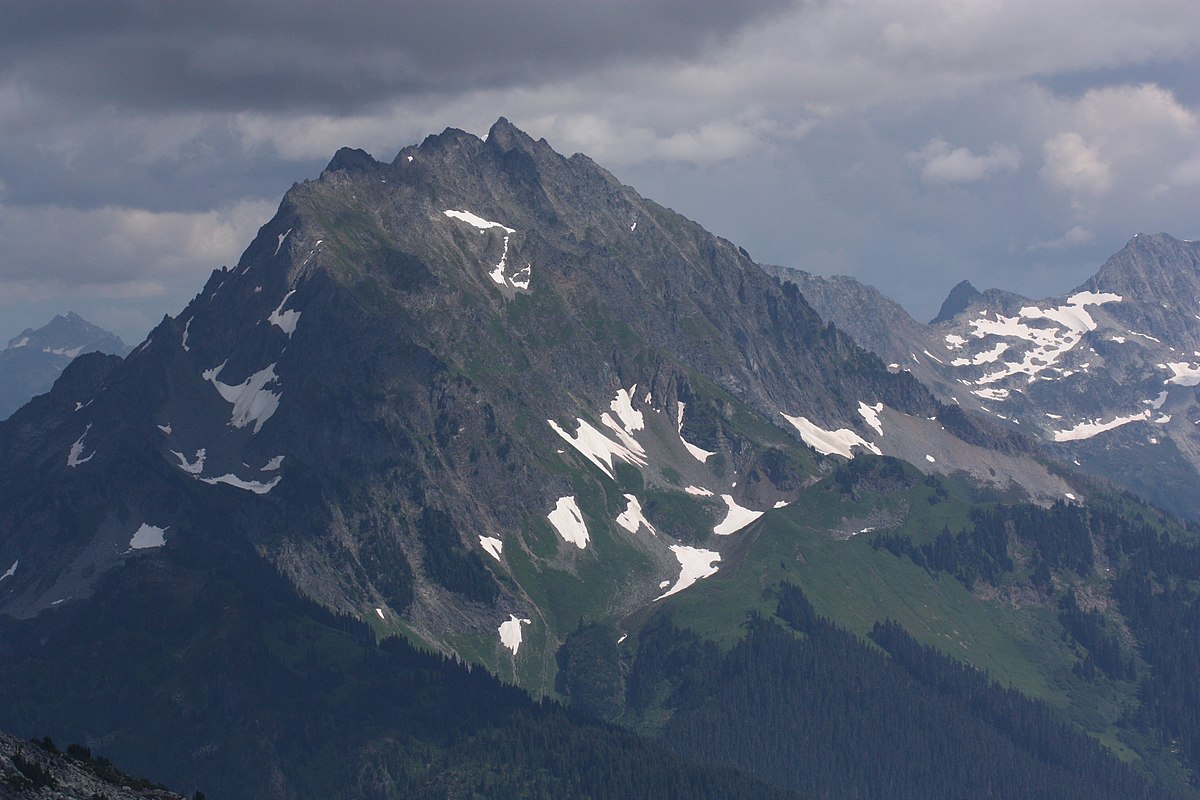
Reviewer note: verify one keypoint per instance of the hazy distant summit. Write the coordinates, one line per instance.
(33, 359)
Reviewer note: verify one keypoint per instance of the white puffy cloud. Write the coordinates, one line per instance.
(789, 129)
(119, 252)
(1071, 163)
(941, 162)
(1077, 235)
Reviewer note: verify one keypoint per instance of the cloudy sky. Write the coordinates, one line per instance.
(909, 143)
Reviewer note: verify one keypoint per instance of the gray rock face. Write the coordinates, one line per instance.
(959, 298)
(33, 360)
(31, 771)
(1105, 377)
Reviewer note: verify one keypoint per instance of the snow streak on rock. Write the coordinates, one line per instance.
(829, 442)
(700, 453)
(870, 415)
(11, 571)
(252, 401)
(477, 221)
(518, 280)
(195, 467)
(598, 448)
(76, 457)
(286, 321)
(1086, 430)
(632, 518)
(238, 483)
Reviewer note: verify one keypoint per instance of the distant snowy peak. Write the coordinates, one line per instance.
(1103, 377)
(68, 335)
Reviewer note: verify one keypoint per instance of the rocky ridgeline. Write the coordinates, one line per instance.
(36, 770)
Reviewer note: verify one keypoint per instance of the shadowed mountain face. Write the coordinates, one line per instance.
(438, 392)
(33, 360)
(1105, 377)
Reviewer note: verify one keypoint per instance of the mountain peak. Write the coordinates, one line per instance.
(352, 159)
(1153, 266)
(958, 299)
(504, 136)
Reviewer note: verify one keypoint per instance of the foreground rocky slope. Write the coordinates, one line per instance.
(33, 770)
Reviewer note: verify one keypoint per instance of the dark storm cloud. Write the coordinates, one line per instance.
(284, 54)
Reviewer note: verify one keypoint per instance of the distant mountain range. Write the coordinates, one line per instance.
(487, 402)
(34, 359)
(1104, 378)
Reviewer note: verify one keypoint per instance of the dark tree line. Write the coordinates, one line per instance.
(811, 708)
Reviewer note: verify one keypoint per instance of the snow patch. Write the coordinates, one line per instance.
(737, 518)
(279, 243)
(63, 351)
(165, 428)
(954, 341)
(991, 394)
(379, 611)
(252, 401)
(986, 357)
(598, 448)
(1185, 374)
(191, 467)
(871, 415)
(829, 442)
(622, 406)
(477, 221)
(285, 320)
(492, 545)
(11, 571)
(148, 536)
(699, 453)
(568, 521)
(632, 518)
(698, 491)
(24, 340)
(76, 456)
(510, 632)
(930, 459)
(273, 465)
(694, 564)
(1069, 322)
(1086, 430)
(239, 483)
